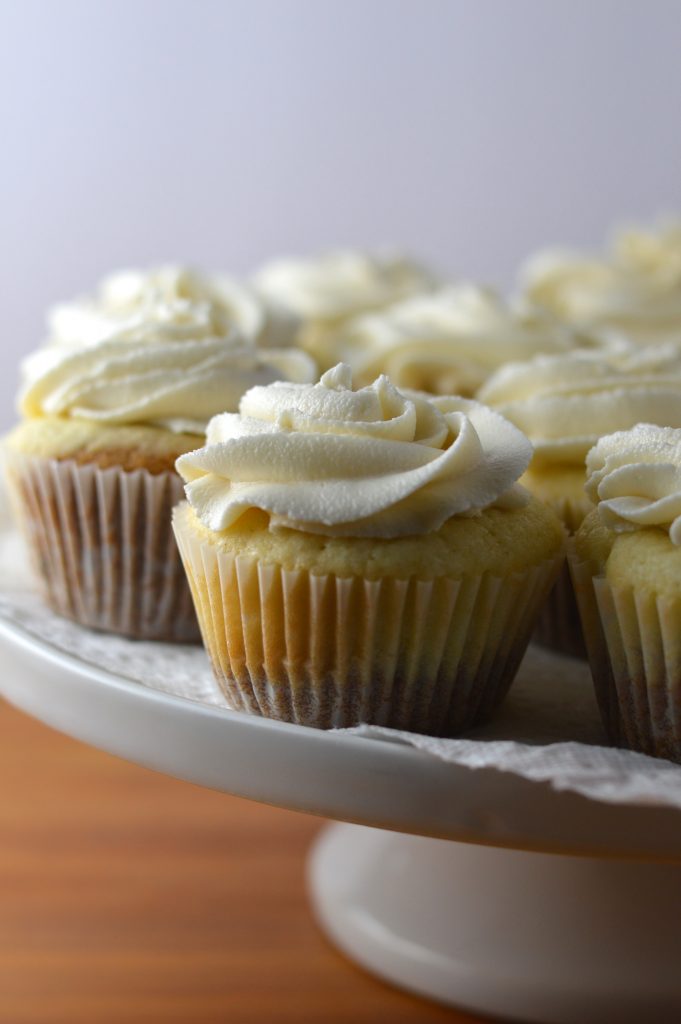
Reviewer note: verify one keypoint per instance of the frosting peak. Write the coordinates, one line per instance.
(564, 403)
(375, 462)
(340, 283)
(446, 341)
(168, 348)
(634, 289)
(635, 477)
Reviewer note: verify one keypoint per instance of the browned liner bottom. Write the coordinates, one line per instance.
(102, 546)
(559, 626)
(634, 647)
(429, 656)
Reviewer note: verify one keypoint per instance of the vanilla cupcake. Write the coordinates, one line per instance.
(564, 404)
(626, 566)
(364, 556)
(126, 382)
(447, 341)
(325, 292)
(634, 290)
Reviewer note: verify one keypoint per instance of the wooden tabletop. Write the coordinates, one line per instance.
(127, 897)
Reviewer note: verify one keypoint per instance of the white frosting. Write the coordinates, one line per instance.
(340, 284)
(171, 302)
(565, 403)
(635, 476)
(161, 349)
(447, 341)
(370, 463)
(635, 289)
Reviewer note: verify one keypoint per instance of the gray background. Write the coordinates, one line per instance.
(221, 133)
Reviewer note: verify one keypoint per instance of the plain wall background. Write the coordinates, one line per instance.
(221, 133)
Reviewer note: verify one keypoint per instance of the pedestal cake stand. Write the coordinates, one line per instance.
(474, 887)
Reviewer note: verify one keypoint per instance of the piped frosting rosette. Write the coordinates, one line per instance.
(565, 403)
(625, 562)
(370, 463)
(633, 290)
(634, 478)
(326, 291)
(337, 601)
(161, 349)
(174, 302)
(447, 341)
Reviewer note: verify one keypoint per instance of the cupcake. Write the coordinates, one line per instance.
(125, 383)
(325, 292)
(447, 341)
(626, 566)
(564, 403)
(364, 555)
(633, 290)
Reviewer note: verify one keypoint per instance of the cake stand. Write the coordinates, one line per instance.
(474, 887)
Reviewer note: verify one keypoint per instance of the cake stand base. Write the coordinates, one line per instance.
(521, 936)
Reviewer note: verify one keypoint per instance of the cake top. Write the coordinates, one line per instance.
(564, 403)
(166, 348)
(341, 283)
(373, 462)
(633, 289)
(634, 476)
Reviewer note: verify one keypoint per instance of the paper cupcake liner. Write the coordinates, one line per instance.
(432, 656)
(633, 641)
(558, 623)
(559, 626)
(102, 545)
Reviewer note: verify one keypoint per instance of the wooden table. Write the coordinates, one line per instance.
(127, 897)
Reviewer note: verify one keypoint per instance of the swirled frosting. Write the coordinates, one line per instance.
(340, 284)
(634, 476)
(565, 403)
(375, 462)
(161, 349)
(635, 289)
(447, 341)
(171, 302)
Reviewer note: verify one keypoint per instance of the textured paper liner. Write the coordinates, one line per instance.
(102, 545)
(633, 641)
(559, 625)
(430, 656)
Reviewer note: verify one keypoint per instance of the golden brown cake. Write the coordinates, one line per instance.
(626, 567)
(364, 556)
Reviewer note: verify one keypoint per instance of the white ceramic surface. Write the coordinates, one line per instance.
(522, 936)
(356, 779)
(528, 936)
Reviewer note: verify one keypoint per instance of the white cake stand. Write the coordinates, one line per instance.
(488, 892)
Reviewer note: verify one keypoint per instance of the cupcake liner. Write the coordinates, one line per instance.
(101, 544)
(432, 656)
(558, 624)
(633, 641)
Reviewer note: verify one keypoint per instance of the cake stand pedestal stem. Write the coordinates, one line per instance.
(522, 936)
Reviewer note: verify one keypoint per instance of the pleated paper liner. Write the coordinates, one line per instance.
(431, 656)
(102, 545)
(559, 626)
(633, 641)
